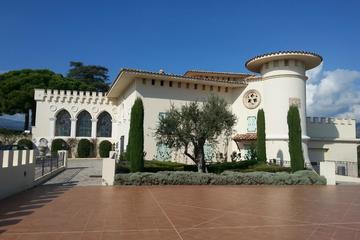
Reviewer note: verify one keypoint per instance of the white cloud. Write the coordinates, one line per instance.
(333, 93)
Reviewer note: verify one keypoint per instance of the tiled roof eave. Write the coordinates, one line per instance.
(234, 83)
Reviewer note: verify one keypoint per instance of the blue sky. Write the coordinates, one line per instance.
(179, 35)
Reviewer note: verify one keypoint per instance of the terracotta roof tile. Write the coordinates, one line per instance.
(245, 137)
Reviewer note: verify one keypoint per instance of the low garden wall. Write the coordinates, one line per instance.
(16, 171)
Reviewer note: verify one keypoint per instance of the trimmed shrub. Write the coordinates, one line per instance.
(104, 148)
(25, 143)
(260, 136)
(84, 148)
(135, 149)
(304, 177)
(295, 141)
(57, 145)
(266, 168)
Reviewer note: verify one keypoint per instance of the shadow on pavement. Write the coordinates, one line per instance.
(14, 208)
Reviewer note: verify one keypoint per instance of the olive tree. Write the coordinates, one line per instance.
(192, 125)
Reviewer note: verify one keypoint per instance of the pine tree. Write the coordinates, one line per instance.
(261, 136)
(295, 141)
(136, 137)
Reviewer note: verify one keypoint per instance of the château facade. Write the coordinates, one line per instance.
(279, 80)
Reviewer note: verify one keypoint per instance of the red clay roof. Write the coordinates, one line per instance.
(245, 137)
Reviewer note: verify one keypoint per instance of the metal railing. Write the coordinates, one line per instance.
(47, 164)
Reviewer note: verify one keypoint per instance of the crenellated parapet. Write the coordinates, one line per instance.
(331, 128)
(71, 96)
(330, 120)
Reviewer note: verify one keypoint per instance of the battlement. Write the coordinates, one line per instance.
(328, 127)
(330, 120)
(70, 96)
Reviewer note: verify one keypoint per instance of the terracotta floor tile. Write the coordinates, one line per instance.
(194, 212)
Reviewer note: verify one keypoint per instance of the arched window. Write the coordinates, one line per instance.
(63, 123)
(104, 125)
(83, 124)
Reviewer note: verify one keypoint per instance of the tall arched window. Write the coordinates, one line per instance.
(83, 124)
(104, 125)
(63, 123)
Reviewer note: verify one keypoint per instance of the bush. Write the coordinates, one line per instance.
(295, 141)
(261, 136)
(261, 167)
(57, 145)
(220, 167)
(84, 148)
(136, 137)
(25, 143)
(153, 166)
(104, 148)
(226, 178)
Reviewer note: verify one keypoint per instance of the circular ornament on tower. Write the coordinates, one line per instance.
(252, 99)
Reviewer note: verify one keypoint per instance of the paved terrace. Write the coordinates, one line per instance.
(182, 212)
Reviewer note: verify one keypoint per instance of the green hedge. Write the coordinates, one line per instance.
(152, 166)
(58, 144)
(220, 167)
(104, 148)
(305, 177)
(25, 143)
(262, 167)
(84, 148)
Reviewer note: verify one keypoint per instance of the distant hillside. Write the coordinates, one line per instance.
(11, 124)
(358, 130)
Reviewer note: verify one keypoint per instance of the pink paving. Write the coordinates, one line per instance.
(182, 212)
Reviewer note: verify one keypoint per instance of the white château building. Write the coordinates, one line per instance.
(278, 81)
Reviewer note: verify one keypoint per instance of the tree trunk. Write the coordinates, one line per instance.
(26, 123)
(200, 159)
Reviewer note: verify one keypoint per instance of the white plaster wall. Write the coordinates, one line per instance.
(331, 128)
(158, 99)
(50, 103)
(16, 171)
(280, 84)
(125, 103)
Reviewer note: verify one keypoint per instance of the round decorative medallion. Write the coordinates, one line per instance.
(114, 110)
(74, 108)
(53, 108)
(252, 99)
(94, 109)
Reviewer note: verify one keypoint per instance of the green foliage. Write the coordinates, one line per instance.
(104, 148)
(235, 156)
(25, 143)
(57, 145)
(96, 76)
(261, 136)
(263, 167)
(152, 166)
(136, 137)
(251, 153)
(17, 89)
(84, 148)
(295, 141)
(193, 125)
(226, 178)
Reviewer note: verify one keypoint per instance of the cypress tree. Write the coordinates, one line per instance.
(261, 136)
(136, 137)
(295, 141)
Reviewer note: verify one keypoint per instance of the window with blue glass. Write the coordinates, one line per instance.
(83, 124)
(104, 125)
(63, 123)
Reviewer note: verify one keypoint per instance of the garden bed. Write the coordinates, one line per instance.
(305, 177)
